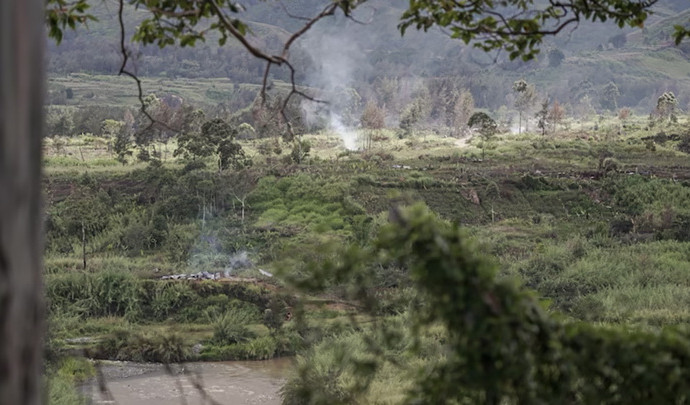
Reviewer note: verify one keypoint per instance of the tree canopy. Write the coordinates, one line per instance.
(215, 139)
(519, 26)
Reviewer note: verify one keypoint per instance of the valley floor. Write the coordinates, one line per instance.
(597, 225)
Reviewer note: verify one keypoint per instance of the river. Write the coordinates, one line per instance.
(223, 383)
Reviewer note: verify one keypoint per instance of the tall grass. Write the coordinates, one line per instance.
(145, 347)
(642, 283)
(372, 365)
(62, 391)
(108, 293)
(61, 379)
(230, 327)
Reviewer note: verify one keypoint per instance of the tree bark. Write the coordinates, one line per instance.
(21, 245)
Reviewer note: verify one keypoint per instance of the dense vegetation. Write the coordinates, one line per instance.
(595, 222)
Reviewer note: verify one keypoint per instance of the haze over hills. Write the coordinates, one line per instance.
(643, 63)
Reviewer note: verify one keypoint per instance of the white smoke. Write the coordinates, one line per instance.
(335, 55)
(348, 135)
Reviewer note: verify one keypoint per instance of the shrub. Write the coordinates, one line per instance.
(165, 299)
(300, 151)
(262, 348)
(161, 348)
(684, 144)
(179, 242)
(610, 164)
(231, 328)
(108, 293)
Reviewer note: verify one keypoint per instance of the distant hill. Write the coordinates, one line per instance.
(642, 62)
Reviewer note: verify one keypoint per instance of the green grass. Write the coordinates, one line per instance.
(111, 90)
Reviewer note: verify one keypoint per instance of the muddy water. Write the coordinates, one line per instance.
(226, 383)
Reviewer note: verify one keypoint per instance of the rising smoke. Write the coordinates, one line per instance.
(336, 57)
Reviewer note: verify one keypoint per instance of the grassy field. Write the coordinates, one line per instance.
(111, 90)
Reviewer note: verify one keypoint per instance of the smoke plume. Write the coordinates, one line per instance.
(336, 58)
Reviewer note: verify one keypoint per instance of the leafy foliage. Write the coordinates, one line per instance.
(486, 125)
(151, 347)
(609, 97)
(300, 151)
(526, 96)
(415, 113)
(521, 30)
(61, 14)
(122, 145)
(667, 106)
(215, 139)
(500, 345)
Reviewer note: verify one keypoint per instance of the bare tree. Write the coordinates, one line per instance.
(21, 126)
(556, 114)
(463, 110)
(373, 119)
(240, 184)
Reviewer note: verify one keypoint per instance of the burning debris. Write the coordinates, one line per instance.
(236, 262)
(202, 275)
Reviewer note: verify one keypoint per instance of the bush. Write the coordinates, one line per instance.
(610, 164)
(168, 348)
(165, 299)
(300, 151)
(179, 242)
(230, 327)
(262, 348)
(108, 293)
(274, 315)
(684, 144)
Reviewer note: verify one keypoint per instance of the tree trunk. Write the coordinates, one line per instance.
(83, 244)
(242, 201)
(21, 244)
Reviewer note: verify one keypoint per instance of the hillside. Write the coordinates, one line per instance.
(343, 54)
